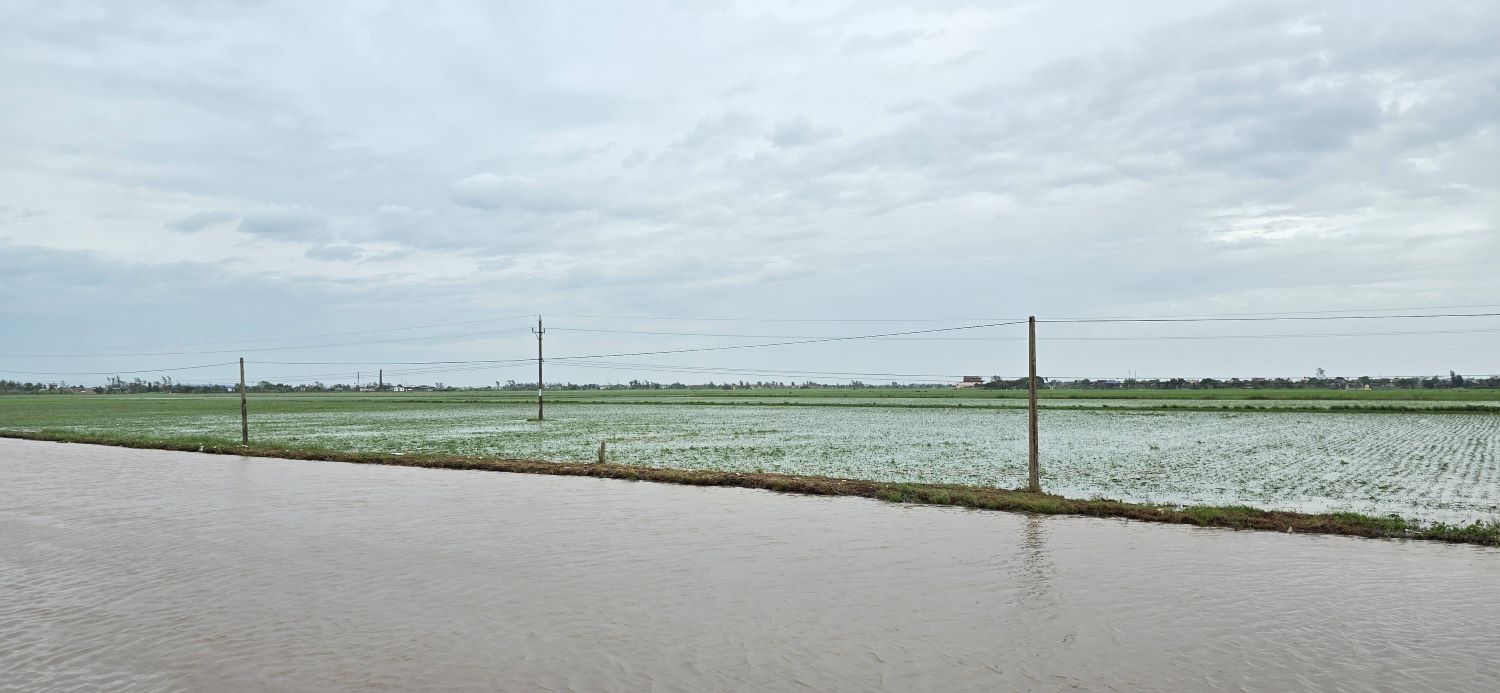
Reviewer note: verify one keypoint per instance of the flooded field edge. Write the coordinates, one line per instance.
(976, 497)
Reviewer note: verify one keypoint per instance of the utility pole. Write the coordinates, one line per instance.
(244, 408)
(538, 331)
(1033, 466)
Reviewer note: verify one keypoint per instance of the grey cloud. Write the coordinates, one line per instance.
(282, 222)
(401, 221)
(634, 159)
(874, 43)
(334, 252)
(194, 223)
(717, 129)
(963, 58)
(10, 214)
(799, 132)
(909, 105)
(490, 191)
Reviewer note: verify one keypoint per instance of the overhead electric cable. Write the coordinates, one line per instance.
(1048, 338)
(297, 347)
(392, 363)
(1266, 319)
(278, 339)
(791, 343)
(152, 370)
(681, 318)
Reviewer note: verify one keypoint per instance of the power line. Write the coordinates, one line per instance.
(808, 339)
(642, 353)
(394, 363)
(1263, 336)
(1314, 314)
(153, 370)
(834, 320)
(1262, 319)
(722, 319)
(1011, 339)
(802, 341)
(1307, 312)
(686, 334)
(271, 339)
(277, 348)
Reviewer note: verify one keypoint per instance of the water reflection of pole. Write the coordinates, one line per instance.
(1036, 567)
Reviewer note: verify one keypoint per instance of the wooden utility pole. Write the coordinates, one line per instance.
(244, 408)
(1033, 466)
(538, 331)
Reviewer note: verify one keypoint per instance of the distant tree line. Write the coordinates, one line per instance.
(117, 385)
(1435, 382)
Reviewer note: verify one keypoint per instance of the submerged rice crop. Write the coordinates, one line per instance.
(1430, 466)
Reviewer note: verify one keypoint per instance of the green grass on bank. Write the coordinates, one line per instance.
(1231, 517)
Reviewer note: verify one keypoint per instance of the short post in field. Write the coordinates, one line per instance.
(1033, 466)
(601, 452)
(538, 331)
(244, 409)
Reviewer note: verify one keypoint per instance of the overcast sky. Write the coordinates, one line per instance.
(187, 176)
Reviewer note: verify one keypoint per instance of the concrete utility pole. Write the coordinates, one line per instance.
(538, 331)
(244, 408)
(1033, 466)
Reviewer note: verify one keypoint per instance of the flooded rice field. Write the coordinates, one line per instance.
(1428, 466)
(148, 570)
(1433, 467)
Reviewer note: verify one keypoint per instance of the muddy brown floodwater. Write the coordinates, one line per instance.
(147, 570)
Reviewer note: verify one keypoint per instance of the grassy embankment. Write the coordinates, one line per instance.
(1231, 517)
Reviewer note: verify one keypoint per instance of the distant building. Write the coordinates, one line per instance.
(970, 381)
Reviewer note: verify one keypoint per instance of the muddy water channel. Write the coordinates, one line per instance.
(145, 570)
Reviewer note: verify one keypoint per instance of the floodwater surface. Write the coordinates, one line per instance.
(147, 570)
